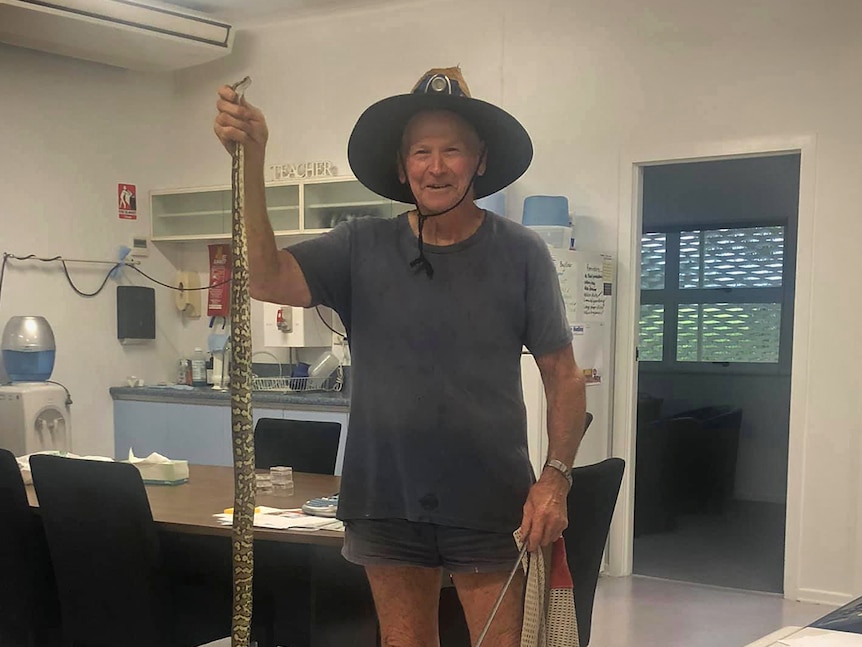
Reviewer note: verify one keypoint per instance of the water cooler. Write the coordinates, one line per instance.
(34, 415)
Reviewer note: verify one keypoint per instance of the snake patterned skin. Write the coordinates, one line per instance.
(242, 431)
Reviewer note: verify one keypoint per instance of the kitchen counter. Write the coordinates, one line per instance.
(329, 400)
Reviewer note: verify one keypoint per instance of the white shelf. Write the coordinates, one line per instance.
(219, 212)
(188, 237)
(280, 233)
(189, 214)
(289, 198)
(366, 203)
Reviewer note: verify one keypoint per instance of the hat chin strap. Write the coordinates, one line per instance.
(421, 262)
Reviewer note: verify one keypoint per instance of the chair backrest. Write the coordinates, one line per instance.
(16, 554)
(105, 550)
(305, 445)
(590, 505)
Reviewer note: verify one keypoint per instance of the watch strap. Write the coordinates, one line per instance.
(561, 467)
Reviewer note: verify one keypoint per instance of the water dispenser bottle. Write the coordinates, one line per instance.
(28, 349)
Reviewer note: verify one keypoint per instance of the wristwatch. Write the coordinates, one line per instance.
(562, 468)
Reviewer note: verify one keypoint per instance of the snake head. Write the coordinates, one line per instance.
(241, 86)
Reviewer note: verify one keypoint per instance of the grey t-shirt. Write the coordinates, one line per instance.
(437, 428)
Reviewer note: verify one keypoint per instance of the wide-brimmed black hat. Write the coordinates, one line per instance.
(376, 137)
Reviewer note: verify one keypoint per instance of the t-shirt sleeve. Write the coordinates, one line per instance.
(547, 329)
(325, 263)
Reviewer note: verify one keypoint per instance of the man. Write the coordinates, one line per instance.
(438, 304)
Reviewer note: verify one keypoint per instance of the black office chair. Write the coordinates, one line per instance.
(16, 555)
(29, 609)
(305, 445)
(106, 555)
(591, 506)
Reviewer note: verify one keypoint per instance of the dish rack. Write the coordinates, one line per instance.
(286, 384)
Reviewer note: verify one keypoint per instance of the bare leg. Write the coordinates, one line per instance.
(478, 592)
(407, 599)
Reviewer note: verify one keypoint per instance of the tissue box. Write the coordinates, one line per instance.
(173, 473)
(156, 469)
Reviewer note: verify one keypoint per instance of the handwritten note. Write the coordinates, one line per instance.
(566, 273)
(594, 295)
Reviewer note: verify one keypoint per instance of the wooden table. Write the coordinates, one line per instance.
(340, 608)
(189, 508)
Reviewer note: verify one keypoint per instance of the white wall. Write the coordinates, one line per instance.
(592, 78)
(71, 131)
(588, 78)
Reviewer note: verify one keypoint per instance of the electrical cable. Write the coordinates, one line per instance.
(342, 335)
(68, 395)
(78, 291)
(174, 287)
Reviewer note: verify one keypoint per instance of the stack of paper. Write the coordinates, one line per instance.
(265, 517)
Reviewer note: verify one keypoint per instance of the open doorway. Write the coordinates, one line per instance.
(718, 251)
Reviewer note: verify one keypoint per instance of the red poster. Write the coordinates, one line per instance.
(218, 303)
(127, 202)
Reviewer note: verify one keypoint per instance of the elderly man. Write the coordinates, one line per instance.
(438, 304)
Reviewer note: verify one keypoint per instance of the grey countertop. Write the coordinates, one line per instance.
(206, 395)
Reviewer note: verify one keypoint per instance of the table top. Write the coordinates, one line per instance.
(189, 508)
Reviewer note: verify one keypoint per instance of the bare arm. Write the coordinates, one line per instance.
(545, 516)
(567, 404)
(274, 275)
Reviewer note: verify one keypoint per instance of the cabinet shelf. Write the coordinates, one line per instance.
(361, 203)
(219, 212)
(296, 208)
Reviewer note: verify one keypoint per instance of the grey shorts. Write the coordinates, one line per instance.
(398, 542)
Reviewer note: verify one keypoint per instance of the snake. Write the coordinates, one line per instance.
(242, 429)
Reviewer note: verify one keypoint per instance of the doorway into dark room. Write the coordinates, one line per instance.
(718, 252)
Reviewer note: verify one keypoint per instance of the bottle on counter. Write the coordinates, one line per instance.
(182, 372)
(199, 368)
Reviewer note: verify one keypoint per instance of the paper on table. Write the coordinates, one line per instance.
(832, 639)
(286, 520)
(24, 461)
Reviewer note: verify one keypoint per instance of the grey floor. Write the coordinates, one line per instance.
(648, 612)
(742, 549)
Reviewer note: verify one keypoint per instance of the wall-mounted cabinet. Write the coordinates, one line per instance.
(300, 207)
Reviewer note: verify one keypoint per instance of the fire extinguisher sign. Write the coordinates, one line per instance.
(127, 202)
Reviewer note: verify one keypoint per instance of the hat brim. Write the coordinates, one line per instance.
(376, 138)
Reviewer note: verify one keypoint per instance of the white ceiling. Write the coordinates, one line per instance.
(251, 12)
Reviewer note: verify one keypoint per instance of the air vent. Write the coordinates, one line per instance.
(132, 35)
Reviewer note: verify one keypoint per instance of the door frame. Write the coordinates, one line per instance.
(632, 162)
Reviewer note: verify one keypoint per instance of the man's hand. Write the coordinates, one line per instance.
(240, 122)
(545, 515)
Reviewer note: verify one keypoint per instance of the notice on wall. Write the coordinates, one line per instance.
(594, 291)
(608, 275)
(567, 275)
(590, 350)
(127, 202)
(218, 299)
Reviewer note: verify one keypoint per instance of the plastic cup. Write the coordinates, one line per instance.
(282, 479)
(263, 482)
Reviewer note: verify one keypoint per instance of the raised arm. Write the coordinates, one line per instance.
(274, 274)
